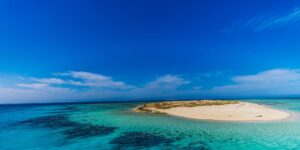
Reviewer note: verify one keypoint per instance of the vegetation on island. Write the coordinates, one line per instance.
(155, 107)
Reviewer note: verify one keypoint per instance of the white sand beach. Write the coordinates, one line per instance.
(242, 111)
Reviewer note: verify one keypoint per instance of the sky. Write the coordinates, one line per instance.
(76, 50)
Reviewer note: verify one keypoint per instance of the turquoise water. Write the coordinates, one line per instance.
(113, 126)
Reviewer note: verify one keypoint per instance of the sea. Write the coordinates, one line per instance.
(114, 126)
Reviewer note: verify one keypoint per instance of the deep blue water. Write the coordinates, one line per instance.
(102, 126)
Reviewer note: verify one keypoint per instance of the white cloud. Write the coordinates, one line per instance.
(166, 86)
(101, 88)
(276, 82)
(33, 85)
(49, 80)
(269, 23)
(43, 94)
(94, 80)
(270, 76)
(167, 82)
(210, 74)
(53, 89)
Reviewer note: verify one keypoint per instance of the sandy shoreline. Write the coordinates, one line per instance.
(242, 111)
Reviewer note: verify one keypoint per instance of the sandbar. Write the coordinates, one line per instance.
(220, 111)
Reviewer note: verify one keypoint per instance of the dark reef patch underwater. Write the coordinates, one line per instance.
(65, 110)
(72, 129)
(53, 121)
(139, 140)
(87, 130)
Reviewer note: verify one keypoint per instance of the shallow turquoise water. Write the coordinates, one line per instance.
(114, 126)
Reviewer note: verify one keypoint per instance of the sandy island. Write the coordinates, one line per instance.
(215, 110)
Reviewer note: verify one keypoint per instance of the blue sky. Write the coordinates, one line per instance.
(63, 51)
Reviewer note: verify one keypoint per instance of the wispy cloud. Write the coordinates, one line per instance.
(33, 85)
(276, 21)
(38, 94)
(93, 80)
(270, 77)
(49, 80)
(167, 82)
(211, 74)
(166, 86)
(63, 87)
(267, 83)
